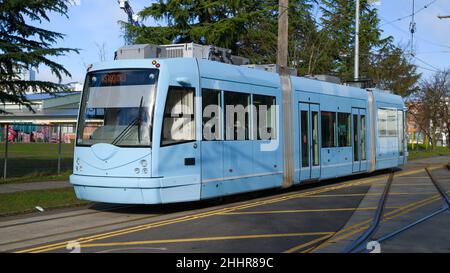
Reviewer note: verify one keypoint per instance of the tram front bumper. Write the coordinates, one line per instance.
(129, 190)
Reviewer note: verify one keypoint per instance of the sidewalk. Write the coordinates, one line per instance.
(17, 187)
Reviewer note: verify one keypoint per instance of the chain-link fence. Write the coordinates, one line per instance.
(36, 150)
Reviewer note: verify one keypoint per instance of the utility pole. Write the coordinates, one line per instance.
(282, 52)
(412, 26)
(356, 69)
(286, 93)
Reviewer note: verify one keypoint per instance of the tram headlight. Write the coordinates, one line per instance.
(144, 163)
(137, 171)
(144, 171)
(78, 161)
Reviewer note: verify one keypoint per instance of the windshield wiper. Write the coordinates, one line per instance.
(140, 120)
(125, 131)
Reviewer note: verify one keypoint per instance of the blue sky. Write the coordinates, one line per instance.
(93, 23)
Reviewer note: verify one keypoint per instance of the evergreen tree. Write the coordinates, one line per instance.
(391, 69)
(247, 27)
(338, 25)
(305, 40)
(379, 59)
(220, 23)
(23, 45)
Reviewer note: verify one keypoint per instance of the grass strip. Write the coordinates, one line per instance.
(24, 202)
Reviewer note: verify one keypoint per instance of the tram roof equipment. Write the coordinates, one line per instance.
(186, 50)
(222, 55)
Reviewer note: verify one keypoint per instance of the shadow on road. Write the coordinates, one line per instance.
(202, 204)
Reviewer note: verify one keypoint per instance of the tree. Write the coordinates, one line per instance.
(430, 107)
(418, 111)
(247, 27)
(221, 23)
(434, 100)
(306, 43)
(338, 24)
(23, 45)
(101, 51)
(392, 69)
(380, 60)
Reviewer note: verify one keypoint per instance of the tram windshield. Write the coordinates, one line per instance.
(117, 108)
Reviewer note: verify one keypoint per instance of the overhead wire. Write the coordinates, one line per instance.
(410, 15)
(429, 67)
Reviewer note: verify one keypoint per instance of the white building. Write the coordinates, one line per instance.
(27, 74)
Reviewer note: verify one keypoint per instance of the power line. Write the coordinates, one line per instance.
(412, 31)
(420, 38)
(428, 69)
(424, 62)
(395, 54)
(411, 15)
(433, 52)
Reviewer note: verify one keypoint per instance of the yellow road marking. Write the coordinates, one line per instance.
(405, 184)
(418, 177)
(291, 250)
(303, 210)
(309, 249)
(362, 226)
(357, 226)
(406, 207)
(116, 233)
(201, 239)
(387, 218)
(368, 194)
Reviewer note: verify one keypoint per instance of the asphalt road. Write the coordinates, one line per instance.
(324, 217)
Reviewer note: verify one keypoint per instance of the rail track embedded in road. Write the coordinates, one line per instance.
(367, 235)
(358, 246)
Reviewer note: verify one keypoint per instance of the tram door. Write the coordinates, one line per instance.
(309, 141)
(359, 138)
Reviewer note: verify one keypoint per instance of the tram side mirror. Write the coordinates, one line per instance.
(183, 81)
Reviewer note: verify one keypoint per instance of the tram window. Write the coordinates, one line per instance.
(387, 123)
(179, 123)
(401, 132)
(392, 126)
(363, 137)
(305, 145)
(328, 129)
(382, 123)
(344, 130)
(212, 114)
(265, 118)
(355, 138)
(315, 137)
(237, 125)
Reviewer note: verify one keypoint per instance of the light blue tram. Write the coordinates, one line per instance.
(141, 131)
